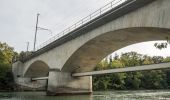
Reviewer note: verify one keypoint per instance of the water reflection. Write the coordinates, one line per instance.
(103, 95)
(40, 96)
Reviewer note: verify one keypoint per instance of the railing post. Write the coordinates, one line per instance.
(100, 11)
(69, 29)
(90, 16)
(75, 25)
(82, 22)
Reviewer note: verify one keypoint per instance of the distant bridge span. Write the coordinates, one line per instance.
(79, 50)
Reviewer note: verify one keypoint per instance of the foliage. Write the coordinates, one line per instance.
(21, 56)
(163, 44)
(154, 79)
(6, 56)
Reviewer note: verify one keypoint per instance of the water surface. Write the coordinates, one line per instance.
(102, 95)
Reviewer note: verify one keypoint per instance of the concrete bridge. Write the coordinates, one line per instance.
(63, 61)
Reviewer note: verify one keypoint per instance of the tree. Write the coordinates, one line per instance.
(154, 79)
(6, 56)
(157, 59)
(167, 59)
(131, 59)
(163, 44)
(6, 53)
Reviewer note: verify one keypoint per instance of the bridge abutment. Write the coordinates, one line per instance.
(61, 83)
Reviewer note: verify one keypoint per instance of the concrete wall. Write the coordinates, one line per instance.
(64, 83)
(25, 84)
(17, 69)
(37, 69)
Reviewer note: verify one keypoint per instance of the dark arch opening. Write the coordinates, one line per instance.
(37, 69)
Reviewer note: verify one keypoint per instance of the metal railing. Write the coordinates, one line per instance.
(83, 21)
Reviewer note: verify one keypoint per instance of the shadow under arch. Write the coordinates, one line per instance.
(37, 69)
(89, 54)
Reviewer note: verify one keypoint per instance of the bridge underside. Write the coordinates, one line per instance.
(118, 70)
(91, 53)
(37, 69)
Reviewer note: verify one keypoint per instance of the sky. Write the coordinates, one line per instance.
(146, 48)
(18, 19)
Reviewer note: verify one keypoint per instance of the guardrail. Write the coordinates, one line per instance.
(83, 21)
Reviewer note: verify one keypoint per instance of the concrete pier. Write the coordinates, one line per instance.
(60, 83)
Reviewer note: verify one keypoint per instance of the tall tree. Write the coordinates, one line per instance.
(6, 56)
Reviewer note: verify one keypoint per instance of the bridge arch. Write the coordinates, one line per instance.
(92, 52)
(81, 49)
(153, 17)
(37, 69)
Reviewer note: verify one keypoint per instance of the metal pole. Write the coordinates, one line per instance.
(36, 31)
(27, 46)
(27, 49)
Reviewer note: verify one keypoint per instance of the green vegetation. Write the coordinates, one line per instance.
(154, 79)
(6, 77)
(7, 56)
(163, 44)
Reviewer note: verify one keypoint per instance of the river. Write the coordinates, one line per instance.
(102, 95)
